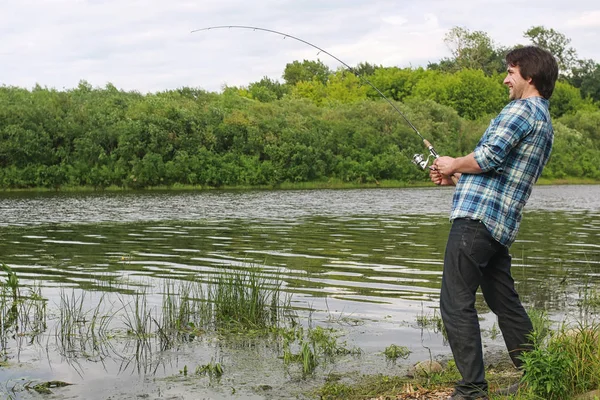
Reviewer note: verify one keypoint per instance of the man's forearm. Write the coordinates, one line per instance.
(466, 164)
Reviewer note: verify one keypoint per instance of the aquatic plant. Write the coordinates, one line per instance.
(81, 331)
(248, 299)
(314, 345)
(393, 352)
(212, 369)
(433, 322)
(22, 315)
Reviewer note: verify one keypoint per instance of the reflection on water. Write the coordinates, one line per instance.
(372, 255)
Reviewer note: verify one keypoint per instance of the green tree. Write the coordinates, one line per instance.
(566, 99)
(396, 83)
(472, 50)
(586, 76)
(555, 42)
(267, 90)
(469, 92)
(365, 69)
(306, 71)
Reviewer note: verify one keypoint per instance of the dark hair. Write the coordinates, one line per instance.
(537, 64)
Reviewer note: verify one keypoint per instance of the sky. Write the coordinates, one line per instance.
(148, 45)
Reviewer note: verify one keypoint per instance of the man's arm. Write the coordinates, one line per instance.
(449, 166)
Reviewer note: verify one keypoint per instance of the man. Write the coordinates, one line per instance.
(494, 183)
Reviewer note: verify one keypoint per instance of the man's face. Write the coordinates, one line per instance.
(515, 82)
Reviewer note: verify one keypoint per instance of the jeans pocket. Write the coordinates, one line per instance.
(478, 243)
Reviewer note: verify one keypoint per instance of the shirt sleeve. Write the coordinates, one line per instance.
(504, 132)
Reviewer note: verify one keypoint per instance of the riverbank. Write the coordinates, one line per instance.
(331, 184)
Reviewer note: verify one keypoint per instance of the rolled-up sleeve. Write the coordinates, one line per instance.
(503, 133)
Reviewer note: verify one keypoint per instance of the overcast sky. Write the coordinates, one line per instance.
(147, 45)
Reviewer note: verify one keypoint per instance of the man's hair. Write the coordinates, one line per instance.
(537, 64)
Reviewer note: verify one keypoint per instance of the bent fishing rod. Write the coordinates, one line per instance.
(418, 159)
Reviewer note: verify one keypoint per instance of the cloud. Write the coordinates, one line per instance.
(146, 45)
(587, 19)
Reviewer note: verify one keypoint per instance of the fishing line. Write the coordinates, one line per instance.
(418, 159)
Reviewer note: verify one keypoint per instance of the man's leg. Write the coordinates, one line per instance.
(469, 249)
(498, 289)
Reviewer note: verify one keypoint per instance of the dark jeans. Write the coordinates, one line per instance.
(475, 259)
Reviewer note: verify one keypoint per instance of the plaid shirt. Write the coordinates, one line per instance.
(511, 153)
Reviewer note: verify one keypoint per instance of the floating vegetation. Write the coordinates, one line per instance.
(212, 369)
(393, 352)
(309, 347)
(44, 387)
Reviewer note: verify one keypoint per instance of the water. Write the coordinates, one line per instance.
(366, 262)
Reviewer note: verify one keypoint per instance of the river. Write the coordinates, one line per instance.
(366, 262)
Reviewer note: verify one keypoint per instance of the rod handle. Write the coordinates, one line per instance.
(436, 155)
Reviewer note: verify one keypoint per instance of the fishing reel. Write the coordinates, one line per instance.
(419, 159)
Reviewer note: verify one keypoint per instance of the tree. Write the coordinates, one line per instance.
(557, 44)
(267, 90)
(565, 99)
(396, 83)
(365, 68)
(586, 76)
(306, 71)
(472, 50)
(469, 92)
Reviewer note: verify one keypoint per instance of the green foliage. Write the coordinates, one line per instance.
(566, 99)
(318, 126)
(393, 352)
(267, 90)
(212, 369)
(546, 372)
(469, 92)
(587, 122)
(12, 281)
(472, 50)
(564, 365)
(573, 154)
(306, 71)
(313, 346)
(395, 83)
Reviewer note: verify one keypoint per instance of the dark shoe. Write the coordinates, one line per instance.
(510, 390)
(459, 396)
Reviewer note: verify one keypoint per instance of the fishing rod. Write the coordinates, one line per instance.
(418, 159)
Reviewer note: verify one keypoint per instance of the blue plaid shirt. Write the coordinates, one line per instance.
(511, 153)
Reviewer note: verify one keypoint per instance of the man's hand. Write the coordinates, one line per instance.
(438, 178)
(445, 166)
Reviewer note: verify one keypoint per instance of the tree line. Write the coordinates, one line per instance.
(316, 125)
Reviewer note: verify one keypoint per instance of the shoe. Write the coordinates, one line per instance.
(459, 396)
(510, 390)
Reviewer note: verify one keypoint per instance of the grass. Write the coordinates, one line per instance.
(22, 312)
(247, 299)
(82, 332)
(331, 183)
(433, 322)
(563, 364)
